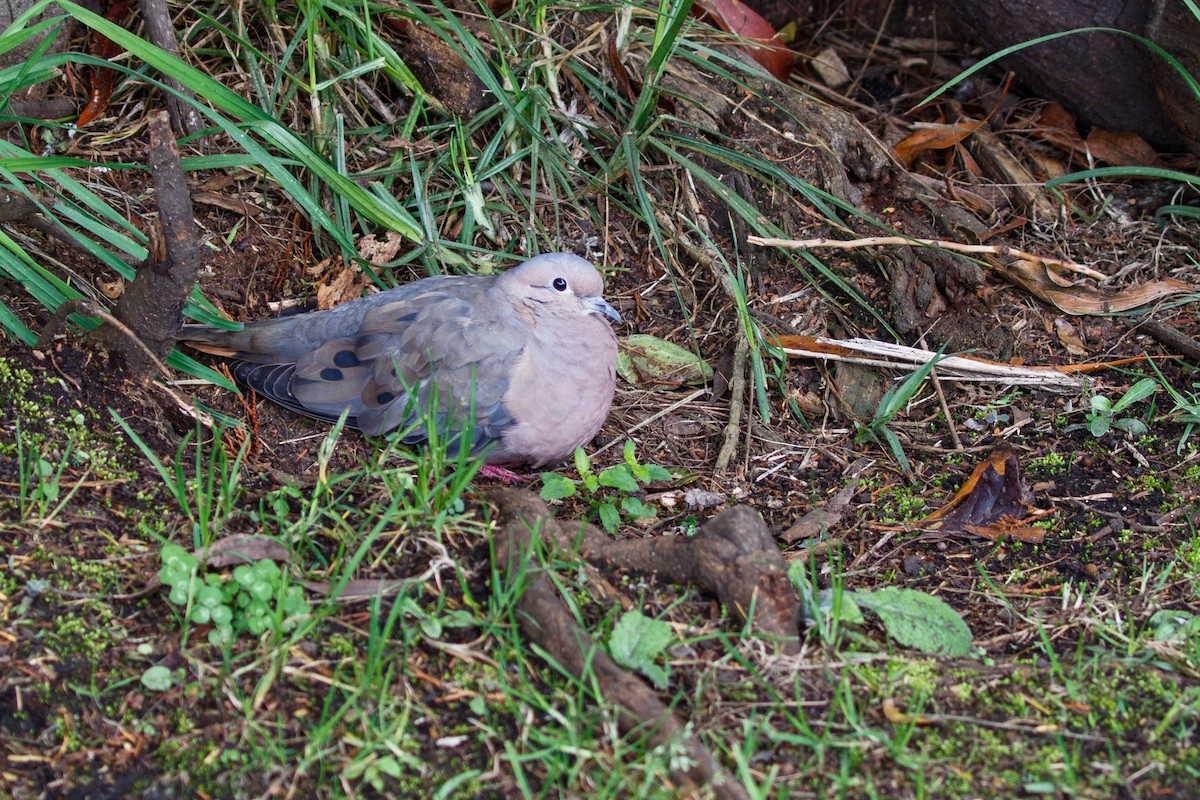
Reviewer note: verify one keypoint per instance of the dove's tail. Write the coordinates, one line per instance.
(271, 341)
(213, 341)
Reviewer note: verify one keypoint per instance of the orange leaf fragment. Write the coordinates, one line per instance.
(897, 717)
(101, 79)
(938, 137)
(1121, 149)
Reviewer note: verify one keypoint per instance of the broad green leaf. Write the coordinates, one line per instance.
(1134, 427)
(158, 679)
(847, 610)
(637, 642)
(642, 358)
(636, 509)
(919, 620)
(619, 477)
(556, 487)
(656, 473)
(610, 518)
(1172, 625)
(1139, 391)
(582, 465)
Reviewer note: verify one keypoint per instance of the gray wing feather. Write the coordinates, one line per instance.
(443, 350)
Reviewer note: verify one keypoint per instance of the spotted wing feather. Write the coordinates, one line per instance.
(393, 361)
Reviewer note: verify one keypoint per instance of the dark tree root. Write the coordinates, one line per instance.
(153, 304)
(185, 118)
(150, 310)
(1169, 336)
(733, 556)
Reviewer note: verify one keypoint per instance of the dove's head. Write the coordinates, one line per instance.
(558, 283)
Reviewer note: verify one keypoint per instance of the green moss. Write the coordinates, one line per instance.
(87, 637)
(15, 386)
(340, 645)
(77, 439)
(899, 504)
(1052, 463)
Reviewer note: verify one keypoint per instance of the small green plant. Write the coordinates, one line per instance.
(628, 478)
(1103, 413)
(638, 641)
(1187, 408)
(39, 480)
(911, 618)
(1051, 463)
(209, 496)
(892, 402)
(255, 598)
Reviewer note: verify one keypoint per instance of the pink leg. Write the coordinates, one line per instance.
(506, 476)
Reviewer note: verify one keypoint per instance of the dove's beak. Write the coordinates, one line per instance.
(600, 305)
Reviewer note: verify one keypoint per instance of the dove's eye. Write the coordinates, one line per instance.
(559, 284)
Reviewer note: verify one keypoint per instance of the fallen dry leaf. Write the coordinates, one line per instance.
(359, 588)
(227, 203)
(830, 68)
(374, 250)
(938, 137)
(990, 503)
(1055, 125)
(1078, 299)
(101, 79)
(1068, 337)
(1118, 148)
(1121, 149)
(242, 548)
(897, 717)
(825, 516)
(347, 284)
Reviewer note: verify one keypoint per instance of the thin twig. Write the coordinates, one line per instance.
(738, 386)
(91, 308)
(668, 410)
(957, 368)
(737, 402)
(941, 395)
(904, 241)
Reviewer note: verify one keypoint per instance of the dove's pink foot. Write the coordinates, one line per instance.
(505, 476)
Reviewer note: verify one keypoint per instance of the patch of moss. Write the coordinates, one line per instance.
(340, 645)
(95, 574)
(15, 387)
(1103, 702)
(1052, 463)
(203, 769)
(89, 637)
(76, 439)
(899, 504)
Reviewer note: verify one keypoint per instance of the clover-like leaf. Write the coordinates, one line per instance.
(158, 678)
